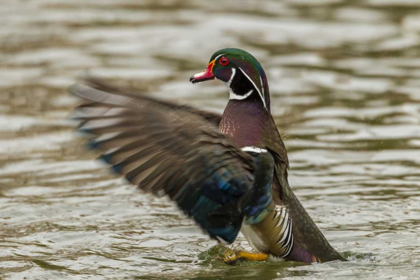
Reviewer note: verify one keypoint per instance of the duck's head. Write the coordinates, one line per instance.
(241, 72)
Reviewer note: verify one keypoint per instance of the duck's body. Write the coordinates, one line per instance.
(227, 172)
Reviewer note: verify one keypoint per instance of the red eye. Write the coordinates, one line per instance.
(223, 61)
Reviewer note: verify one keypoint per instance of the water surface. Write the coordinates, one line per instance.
(345, 91)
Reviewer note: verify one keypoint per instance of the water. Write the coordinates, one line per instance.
(344, 79)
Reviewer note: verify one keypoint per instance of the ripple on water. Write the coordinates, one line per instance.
(344, 84)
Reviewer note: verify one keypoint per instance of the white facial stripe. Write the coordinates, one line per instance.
(231, 76)
(218, 57)
(253, 149)
(256, 88)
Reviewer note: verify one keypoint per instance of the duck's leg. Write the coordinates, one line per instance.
(232, 257)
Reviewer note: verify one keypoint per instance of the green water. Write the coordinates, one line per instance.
(345, 91)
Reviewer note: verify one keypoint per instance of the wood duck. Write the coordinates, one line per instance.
(228, 172)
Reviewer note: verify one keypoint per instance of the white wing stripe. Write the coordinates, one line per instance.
(254, 149)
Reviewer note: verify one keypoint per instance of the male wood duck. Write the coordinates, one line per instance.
(228, 172)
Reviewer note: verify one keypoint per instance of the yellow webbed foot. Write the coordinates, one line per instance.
(231, 257)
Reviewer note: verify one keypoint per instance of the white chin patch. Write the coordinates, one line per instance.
(235, 96)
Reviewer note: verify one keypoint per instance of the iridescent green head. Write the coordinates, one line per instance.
(241, 72)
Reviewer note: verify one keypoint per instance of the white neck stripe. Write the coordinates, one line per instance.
(262, 86)
(256, 88)
(254, 149)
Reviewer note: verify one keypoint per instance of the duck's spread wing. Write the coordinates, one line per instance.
(211, 117)
(169, 150)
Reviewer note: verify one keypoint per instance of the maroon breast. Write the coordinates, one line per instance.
(243, 121)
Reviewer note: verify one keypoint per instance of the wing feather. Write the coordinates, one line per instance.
(169, 149)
